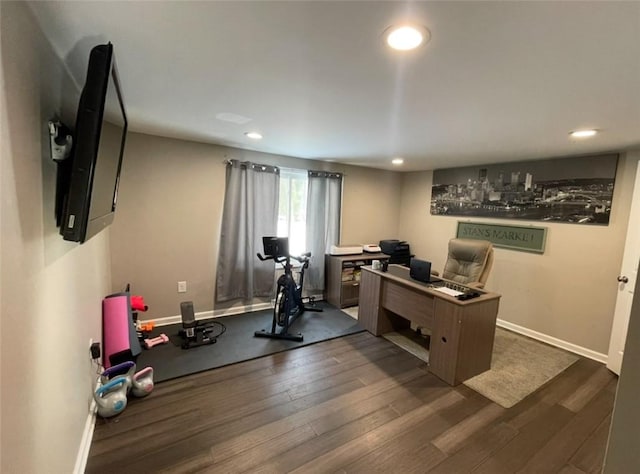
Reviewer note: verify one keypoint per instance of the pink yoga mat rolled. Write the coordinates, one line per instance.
(115, 326)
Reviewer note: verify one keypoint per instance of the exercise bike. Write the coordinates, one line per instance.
(289, 304)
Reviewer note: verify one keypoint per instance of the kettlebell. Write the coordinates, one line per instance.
(124, 370)
(111, 397)
(142, 382)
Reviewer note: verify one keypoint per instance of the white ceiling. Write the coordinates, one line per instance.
(499, 81)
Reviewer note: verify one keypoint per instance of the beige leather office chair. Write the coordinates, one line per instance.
(469, 262)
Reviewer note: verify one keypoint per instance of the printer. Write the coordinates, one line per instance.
(398, 251)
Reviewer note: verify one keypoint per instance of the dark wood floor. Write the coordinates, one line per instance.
(355, 404)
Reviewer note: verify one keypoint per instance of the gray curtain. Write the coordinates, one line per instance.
(250, 212)
(324, 196)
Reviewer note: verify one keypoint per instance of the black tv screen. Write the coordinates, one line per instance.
(101, 128)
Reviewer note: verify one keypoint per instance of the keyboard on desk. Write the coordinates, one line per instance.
(448, 291)
(456, 290)
(452, 286)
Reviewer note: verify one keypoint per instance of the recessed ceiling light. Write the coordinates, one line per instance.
(406, 37)
(254, 135)
(583, 133)
(397, 161)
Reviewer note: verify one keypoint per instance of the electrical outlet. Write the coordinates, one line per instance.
(182, 287)
(95, 351)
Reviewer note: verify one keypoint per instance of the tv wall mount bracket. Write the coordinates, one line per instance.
(60, 140)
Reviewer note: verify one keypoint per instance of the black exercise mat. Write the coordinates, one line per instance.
(238, 343)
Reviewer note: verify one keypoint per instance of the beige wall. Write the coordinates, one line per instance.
(371, 205)
(51, 289)
(167, 225)
(568, 292)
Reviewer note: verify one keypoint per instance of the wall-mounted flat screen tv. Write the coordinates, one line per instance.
(89, 202)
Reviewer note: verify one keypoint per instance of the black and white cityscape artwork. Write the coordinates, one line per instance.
(576, 189)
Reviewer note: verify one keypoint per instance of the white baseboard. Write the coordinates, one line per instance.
(85, 442)
(218, 313)
(568, 346)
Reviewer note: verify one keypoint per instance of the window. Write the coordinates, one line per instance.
(292, 209)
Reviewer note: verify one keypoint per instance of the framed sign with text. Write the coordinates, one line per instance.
(514, 237)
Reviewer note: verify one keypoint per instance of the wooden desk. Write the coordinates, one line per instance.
(462, 332)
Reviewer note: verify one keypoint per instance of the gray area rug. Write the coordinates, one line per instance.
(519, 366)
(238, 343)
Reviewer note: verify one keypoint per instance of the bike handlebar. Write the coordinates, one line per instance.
(302, 258)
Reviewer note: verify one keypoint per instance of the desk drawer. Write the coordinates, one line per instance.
(417, 307)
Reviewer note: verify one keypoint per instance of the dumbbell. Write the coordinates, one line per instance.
(111, 398)
(143, 382)
(146, 327)
(161, 339)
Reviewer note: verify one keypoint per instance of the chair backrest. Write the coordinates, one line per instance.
(469, 261)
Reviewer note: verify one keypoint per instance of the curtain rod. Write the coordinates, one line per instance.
(254, 166)
(325, 174)
(331, 174)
